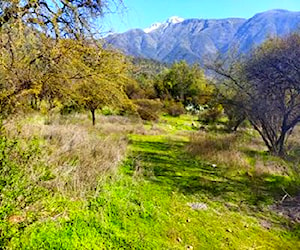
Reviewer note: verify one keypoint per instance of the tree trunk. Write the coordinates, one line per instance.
(93, 116)
(237, 124)
(280, 150)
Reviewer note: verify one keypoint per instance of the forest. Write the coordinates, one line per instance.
(101, 150)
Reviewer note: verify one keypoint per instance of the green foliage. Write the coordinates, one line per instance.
(69, 107)
(144, 73)
(47, 75)
(104, 84)
(183, 83)
(22, 173)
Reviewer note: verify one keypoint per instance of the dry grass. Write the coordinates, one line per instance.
(294, 142)
(82, 158)
(237, 152)
(218, 149)
(79, 155)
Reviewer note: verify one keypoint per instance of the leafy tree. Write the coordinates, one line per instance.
(20, 74)
(183, 83)
(144, 73)
(39, 58)
(267, 83)
(33, 68)
(100, 79)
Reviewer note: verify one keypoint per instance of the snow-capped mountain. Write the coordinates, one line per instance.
(195, 40)
(170, 21)
(153, 27)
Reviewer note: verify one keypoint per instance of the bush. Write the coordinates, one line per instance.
(211, 114)
(174, 108)
(69, 108)
(148, 109)
(22, 175)
(108, 111)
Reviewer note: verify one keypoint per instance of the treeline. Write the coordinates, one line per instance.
(69, 75)
(172, 89)
(65, 75)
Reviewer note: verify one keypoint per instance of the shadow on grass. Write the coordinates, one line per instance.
(167, 163)
(256, 154)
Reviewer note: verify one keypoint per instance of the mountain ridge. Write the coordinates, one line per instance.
(196, 40)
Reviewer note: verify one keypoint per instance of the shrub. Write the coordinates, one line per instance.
(148, 109)
(174, 108)
(211, 114)
(22, 175)
(108, 111)
(69, 108)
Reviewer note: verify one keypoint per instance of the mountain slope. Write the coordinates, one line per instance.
(194, 40)
(264, 25)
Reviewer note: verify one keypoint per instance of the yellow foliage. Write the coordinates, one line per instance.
(36, 66)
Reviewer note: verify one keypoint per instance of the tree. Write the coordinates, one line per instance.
(20, 75)
(183, 83)
(38, 48)
(268, 85)
(143, 72)
(236, 116)
(100, 79)
(57, 18)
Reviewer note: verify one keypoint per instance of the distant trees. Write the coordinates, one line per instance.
(144, 73)
(183, 83)
(265, 85)
(175, 86)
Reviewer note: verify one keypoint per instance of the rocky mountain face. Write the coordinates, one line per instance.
(196, 40)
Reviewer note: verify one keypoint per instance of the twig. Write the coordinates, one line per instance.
(286, 195)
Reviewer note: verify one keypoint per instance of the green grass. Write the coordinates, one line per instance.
(173, 125)
(145, 205)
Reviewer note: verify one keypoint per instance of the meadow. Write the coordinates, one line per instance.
(131, 184)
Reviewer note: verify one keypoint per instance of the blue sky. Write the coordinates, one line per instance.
(142, 13)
